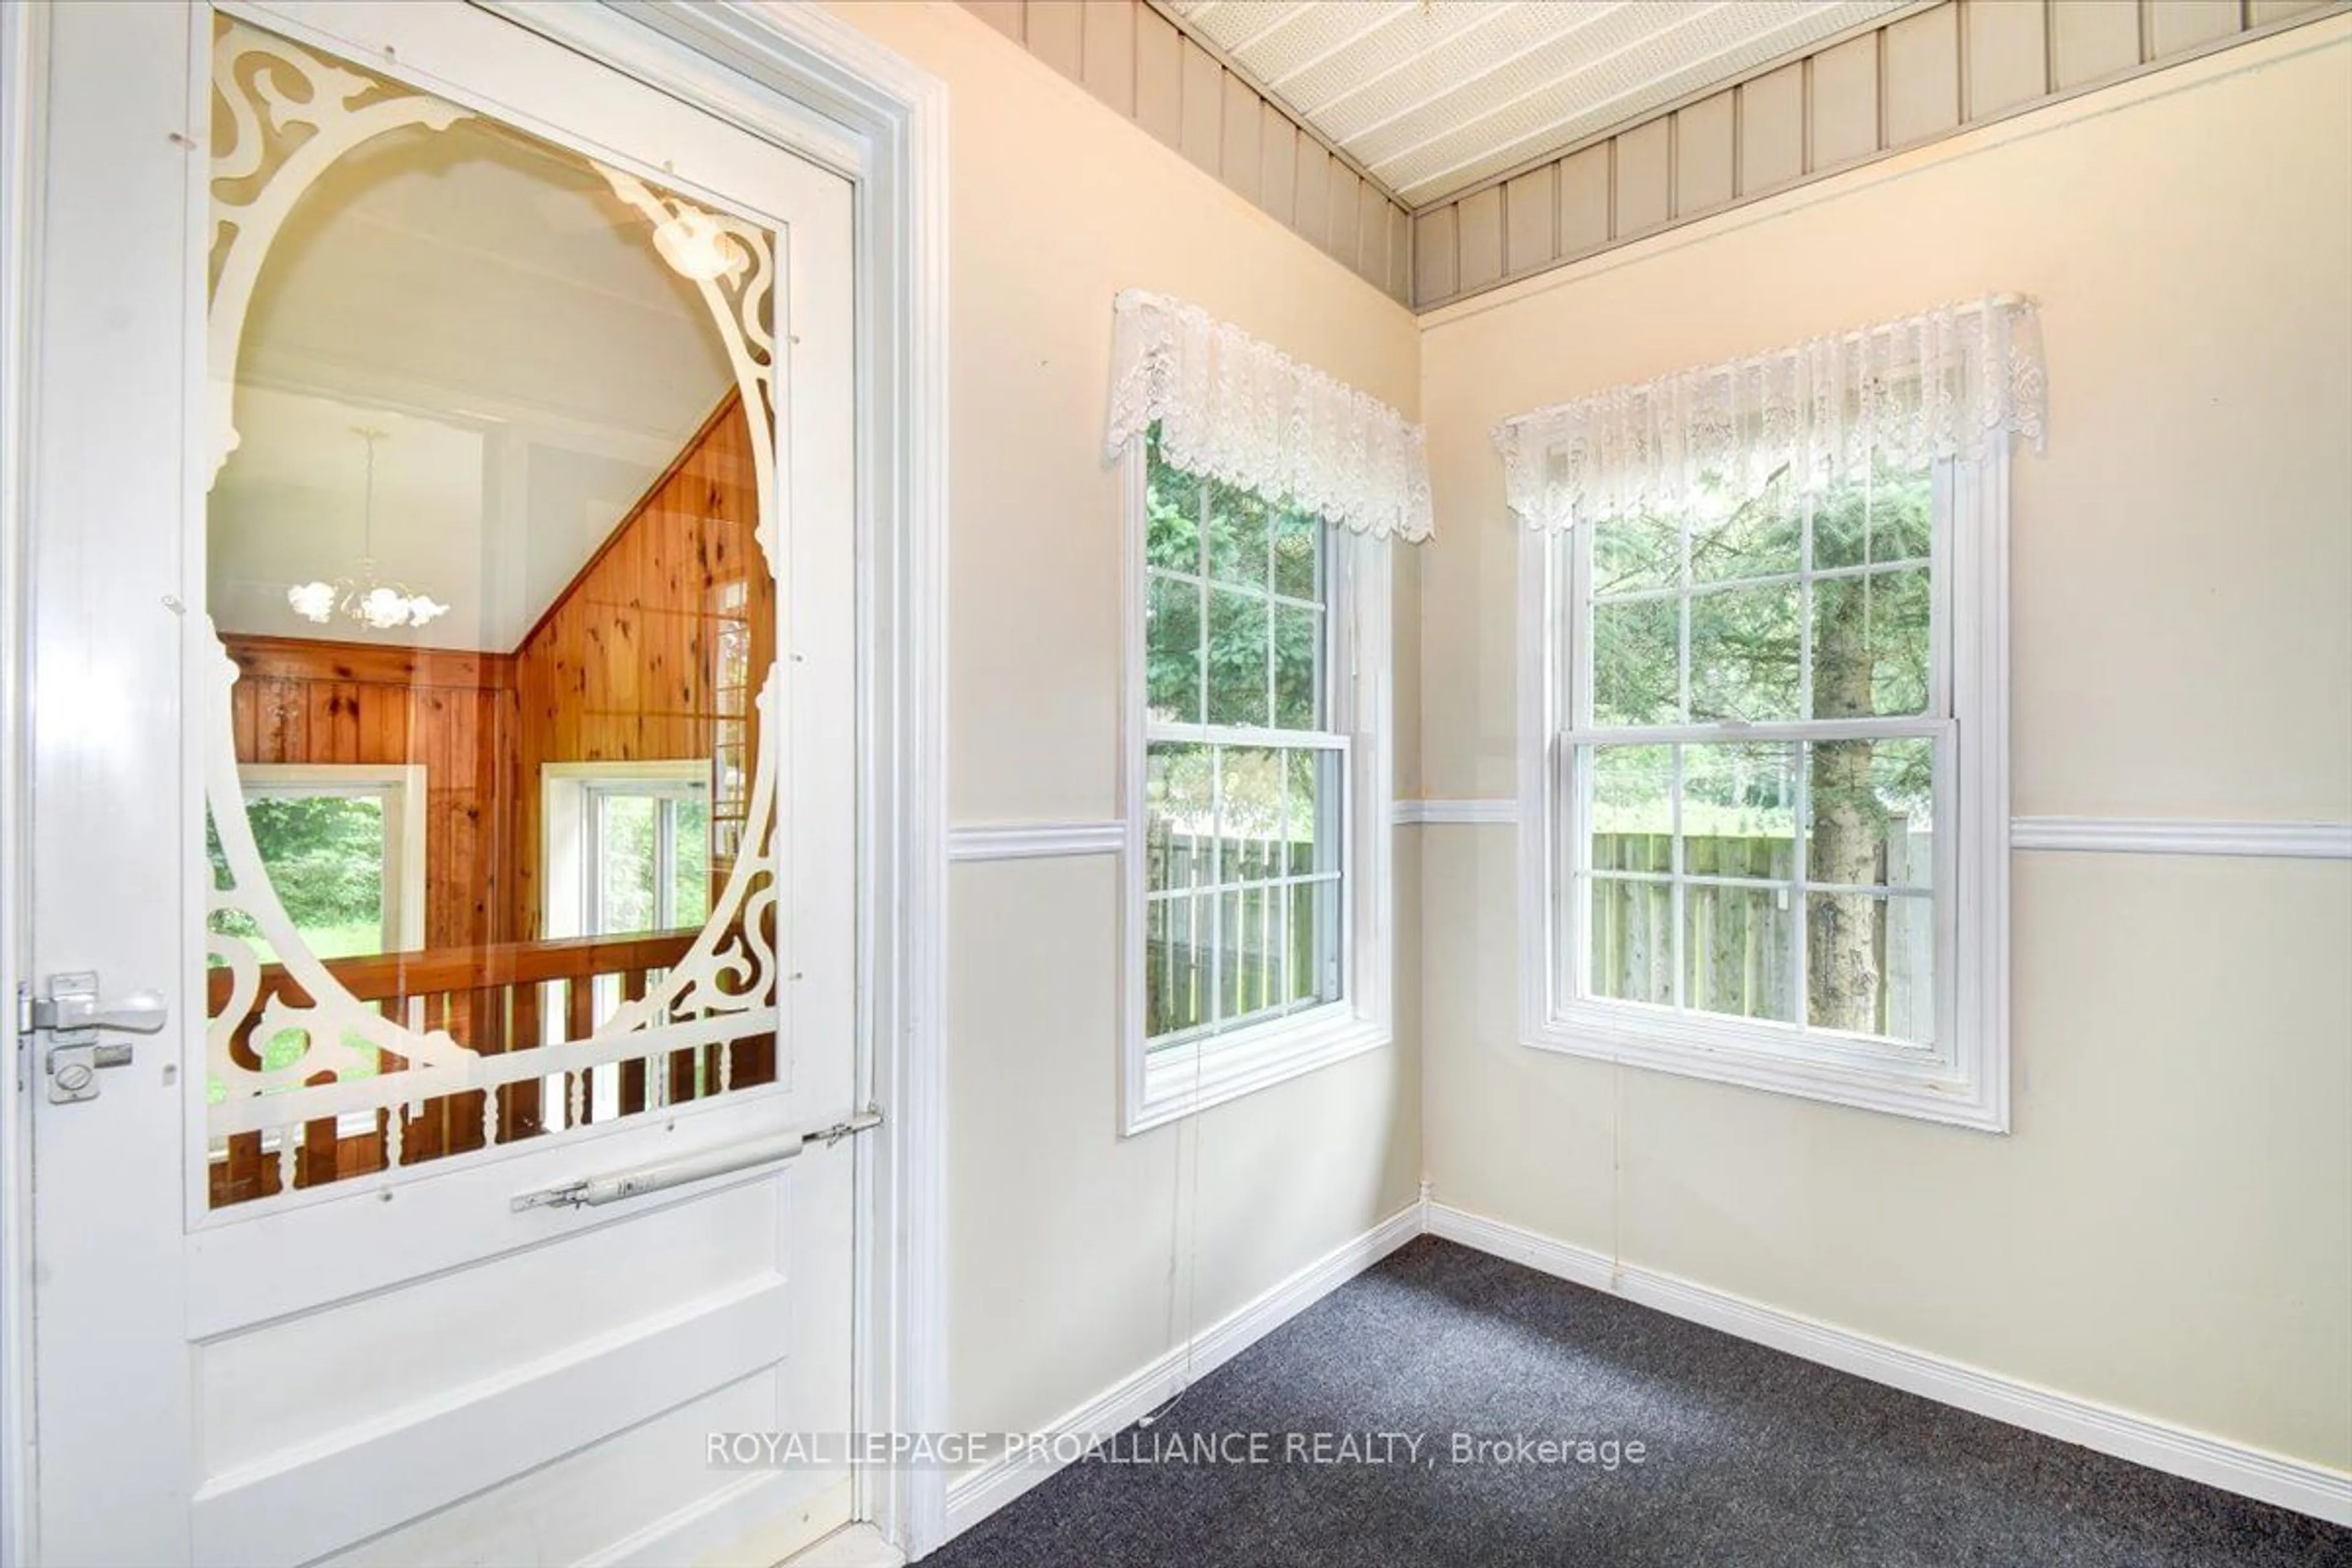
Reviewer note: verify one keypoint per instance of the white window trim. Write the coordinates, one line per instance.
(401, 785)
(1164, 1086)
(1964, 1080)
(564, 789)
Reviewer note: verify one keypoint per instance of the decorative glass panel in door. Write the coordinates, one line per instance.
(492, 508)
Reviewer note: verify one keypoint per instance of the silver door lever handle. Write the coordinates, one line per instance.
(137, 1012)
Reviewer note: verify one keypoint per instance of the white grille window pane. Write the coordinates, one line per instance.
(1633, 951)
(1173, 503)
(1311, 811)
(1242, 855)
(1298, 556)
(1297, 667)
(1758, 536)
(1174, 966)
(1739, 811)
(1870, 813)
(1250, 815)
(1744, 653)
(1870, 965)
(1241, 530)
(1738, 952)
(1870, 643)
(1180, 816)
(1635, 553)
(1632, 807)
(1637, 662)
(1171, 650)
(1891, 518)
(1239, 645)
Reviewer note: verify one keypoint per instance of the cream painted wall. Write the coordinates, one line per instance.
(1062, 1233)
(2169, 1228)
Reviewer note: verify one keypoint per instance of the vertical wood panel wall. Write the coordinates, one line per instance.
(623, 666)
(1920, 76)
(302, 701)
(1137, 62)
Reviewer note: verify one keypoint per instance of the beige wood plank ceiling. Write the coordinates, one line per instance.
(1431, 97)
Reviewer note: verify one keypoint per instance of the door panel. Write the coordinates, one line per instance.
(450, 467)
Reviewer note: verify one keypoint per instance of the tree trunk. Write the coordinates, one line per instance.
(1842, 948)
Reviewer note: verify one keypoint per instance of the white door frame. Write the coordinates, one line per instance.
(800, 78)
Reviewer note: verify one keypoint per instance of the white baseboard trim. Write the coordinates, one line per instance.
(2251, 1473)
(973, 1497)
(2182, 836)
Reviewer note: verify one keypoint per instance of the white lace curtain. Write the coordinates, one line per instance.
(1235, 408)
(1948, 383)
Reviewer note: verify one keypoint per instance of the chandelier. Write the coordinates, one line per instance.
(365, 598)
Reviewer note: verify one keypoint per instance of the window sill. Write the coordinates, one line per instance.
(1180, 1080)
(1927, 1086)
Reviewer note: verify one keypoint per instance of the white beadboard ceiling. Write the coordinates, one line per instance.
(1433, 96)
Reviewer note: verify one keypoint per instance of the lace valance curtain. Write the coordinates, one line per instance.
(1235, 408)
(1948, 383)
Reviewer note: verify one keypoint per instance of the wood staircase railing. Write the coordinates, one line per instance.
(496, 999)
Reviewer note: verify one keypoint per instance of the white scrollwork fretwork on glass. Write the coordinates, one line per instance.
(284, 1051)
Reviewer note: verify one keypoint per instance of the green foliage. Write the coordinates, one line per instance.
(325, 858)
(1869, 639)
(1241, 557)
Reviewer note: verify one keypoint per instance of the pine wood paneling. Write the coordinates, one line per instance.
(623, 667)
(324, 702)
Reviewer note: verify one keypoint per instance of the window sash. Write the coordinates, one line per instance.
(390, 801)
(1575, 877)
(667, 797)
(1334, 950)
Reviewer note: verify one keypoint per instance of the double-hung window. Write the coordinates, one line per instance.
(1258, 791)
(1772, 819)
(1764, 796)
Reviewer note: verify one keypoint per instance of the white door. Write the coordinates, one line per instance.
(426, 412)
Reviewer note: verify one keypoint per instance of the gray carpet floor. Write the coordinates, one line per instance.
(1752, 1458)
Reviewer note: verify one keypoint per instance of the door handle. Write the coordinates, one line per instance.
(72, 1017)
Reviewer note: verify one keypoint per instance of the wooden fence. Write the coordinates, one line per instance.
(1743, 957)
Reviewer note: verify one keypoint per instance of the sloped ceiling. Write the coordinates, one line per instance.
(1433, 97)
(488, 304)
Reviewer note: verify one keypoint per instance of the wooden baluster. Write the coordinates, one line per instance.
(579, 1023)
(486, 1007)
(522, 1116)
(632, 1073)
